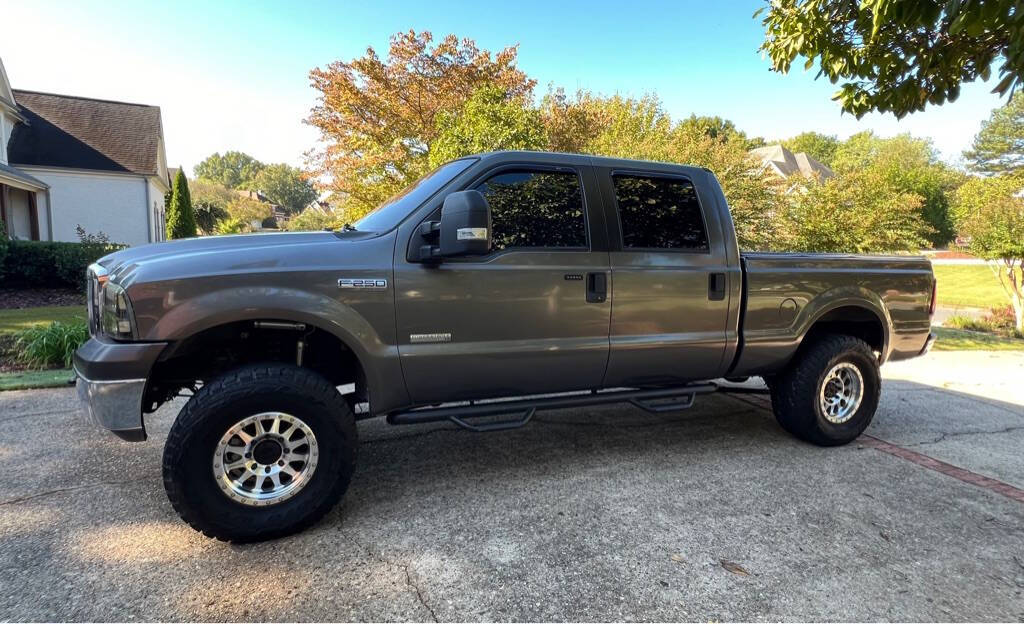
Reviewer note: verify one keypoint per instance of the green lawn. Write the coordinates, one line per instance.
(968, 285)
(23, 318)
(24, 380)
(963, 340)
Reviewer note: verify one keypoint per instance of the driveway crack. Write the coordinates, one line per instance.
(946, 436)
(405, 568)
(28, 497)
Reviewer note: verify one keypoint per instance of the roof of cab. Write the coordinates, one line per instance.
(555, 158)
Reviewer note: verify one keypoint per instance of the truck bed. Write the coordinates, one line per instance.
(784, 293)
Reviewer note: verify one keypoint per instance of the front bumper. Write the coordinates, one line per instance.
(114, 405)
(111, 382)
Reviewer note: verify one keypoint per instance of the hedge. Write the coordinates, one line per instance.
(36, 264)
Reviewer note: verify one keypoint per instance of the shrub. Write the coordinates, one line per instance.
(959, 321)
(50, 346)
(181, 218)
(50, 264)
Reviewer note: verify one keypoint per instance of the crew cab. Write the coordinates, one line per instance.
(495, 286)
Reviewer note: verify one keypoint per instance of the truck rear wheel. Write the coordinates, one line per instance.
(829, 393)
(259, 453)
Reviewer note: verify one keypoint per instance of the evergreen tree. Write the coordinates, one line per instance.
(999, 147)
(181, 218)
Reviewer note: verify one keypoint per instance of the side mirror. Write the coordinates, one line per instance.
(464, 229)
(465, 224)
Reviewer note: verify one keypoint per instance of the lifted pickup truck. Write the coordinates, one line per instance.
(495, 286)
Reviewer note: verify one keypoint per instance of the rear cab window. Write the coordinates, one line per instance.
(658, 212)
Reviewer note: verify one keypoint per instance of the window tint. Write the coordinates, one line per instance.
(661, 213)
(535, 209)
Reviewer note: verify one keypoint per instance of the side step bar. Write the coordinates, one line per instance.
(656, 401)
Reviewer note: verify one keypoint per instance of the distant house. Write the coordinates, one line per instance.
(279, 213)
(67, 161)
(786, 164)
(321, 204)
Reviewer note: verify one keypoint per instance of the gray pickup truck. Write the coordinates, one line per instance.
(495, 286)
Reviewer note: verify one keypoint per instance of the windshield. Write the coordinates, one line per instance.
(387, 216)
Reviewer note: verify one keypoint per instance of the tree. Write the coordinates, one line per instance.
(569, 124)
(898, 56)
(999, 147)
(313, 220)
(857, 213)
(230, 170)
(181, 219)
(284, 185)
(210, 202)
(990, 212)
(821, 147)
(720, 129)
(490, 120)
(378, 118)
(250, 212)
(909, 165)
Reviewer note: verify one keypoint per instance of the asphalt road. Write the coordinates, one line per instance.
(591, 514)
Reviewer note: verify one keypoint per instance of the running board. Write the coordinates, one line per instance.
(655, 401)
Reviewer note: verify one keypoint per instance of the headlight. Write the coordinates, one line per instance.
(110, 310)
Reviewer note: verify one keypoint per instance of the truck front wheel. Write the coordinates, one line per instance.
(829, 392)
(259, 453)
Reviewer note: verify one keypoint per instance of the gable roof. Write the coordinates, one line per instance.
(787, 163)
(85, 133)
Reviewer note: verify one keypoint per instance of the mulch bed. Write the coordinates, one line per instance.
(11, 298)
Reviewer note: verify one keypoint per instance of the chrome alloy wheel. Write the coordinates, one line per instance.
(841, 393)
(265, 459)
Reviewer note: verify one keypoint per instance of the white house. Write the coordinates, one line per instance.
(70, 161)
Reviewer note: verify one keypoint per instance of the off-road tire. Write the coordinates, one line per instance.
(795, 391)
(188, 452)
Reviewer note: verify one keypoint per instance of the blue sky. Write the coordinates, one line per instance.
(233, 75)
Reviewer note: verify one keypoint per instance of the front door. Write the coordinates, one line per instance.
(529, 317)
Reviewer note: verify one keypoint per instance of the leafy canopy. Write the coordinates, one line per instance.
(378, 117)
(990, 212)
(909, 165)
(490, 120)
(821, 147)
(284, 185)
(999, 147)
(181, 220)
(230, 170)
(898, 55)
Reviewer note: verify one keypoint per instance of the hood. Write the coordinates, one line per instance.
(219, 254)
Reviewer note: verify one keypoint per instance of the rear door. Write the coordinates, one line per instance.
(670, 279)
(520, 320)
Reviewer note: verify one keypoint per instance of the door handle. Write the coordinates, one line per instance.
(597, 287)
(716, 286)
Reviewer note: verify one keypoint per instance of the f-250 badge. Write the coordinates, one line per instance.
(371, 283)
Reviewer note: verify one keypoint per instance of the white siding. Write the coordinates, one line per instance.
(156, 210)
(99, 202)
(6, 128)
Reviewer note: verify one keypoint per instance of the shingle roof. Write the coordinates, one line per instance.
(83, 133)
(789, 163)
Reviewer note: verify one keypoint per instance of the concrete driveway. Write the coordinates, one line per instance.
(589, 514)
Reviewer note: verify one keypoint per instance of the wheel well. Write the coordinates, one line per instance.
(214, 351)
(851, 321)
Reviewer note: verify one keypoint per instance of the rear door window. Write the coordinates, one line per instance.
(659, 213)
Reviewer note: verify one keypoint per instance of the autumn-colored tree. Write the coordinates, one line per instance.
(377, 117)
(489, 121)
